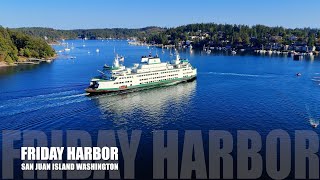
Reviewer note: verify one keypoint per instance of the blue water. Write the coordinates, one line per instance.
(231, 93)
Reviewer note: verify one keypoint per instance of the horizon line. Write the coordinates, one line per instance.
(165, 27)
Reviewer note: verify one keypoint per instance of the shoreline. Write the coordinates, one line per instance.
(224, 49)
(28, 61)
(3, 65)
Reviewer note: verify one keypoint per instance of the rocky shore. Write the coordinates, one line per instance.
(28, 61)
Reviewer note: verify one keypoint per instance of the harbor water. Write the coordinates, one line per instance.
(231, 93)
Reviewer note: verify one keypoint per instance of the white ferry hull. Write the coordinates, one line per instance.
(150, 73)
(141, 87)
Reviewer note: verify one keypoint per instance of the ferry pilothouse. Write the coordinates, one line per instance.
(150, 73)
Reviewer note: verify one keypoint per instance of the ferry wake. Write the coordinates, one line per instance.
(150, 73)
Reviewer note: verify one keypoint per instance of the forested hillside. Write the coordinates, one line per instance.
(15, 44)
(53, 35)
(236, 35)
(32, 42)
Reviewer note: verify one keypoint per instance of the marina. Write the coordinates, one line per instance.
(293, 51)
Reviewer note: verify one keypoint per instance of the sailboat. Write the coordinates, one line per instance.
(67, 49)
(309, 53)
(262, 51)
(171, 52)
(270, 51)
(121, 58)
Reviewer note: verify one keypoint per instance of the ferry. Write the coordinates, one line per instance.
(149, 73)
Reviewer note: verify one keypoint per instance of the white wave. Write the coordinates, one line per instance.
(237, 74)
(39, 106)
(36, 99)
(32, 103)
(42, 96)
(71, 96)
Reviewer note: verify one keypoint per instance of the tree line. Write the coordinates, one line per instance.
(201, 33)
(236, 35)
(53, 35)
(32, 42)
(15, 44)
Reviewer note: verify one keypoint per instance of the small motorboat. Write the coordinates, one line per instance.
(298, 74)
(297, 57)
(314, 123)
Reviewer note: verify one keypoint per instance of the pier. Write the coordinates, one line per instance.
(33, 61)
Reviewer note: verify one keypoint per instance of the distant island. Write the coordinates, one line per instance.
(16, 46)
(54, 35)
(240, 37)
(21, 43)
(237, 37)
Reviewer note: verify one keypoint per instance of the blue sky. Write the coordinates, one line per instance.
(72, 14)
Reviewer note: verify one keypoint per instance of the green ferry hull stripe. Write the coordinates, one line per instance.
(149, 73)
